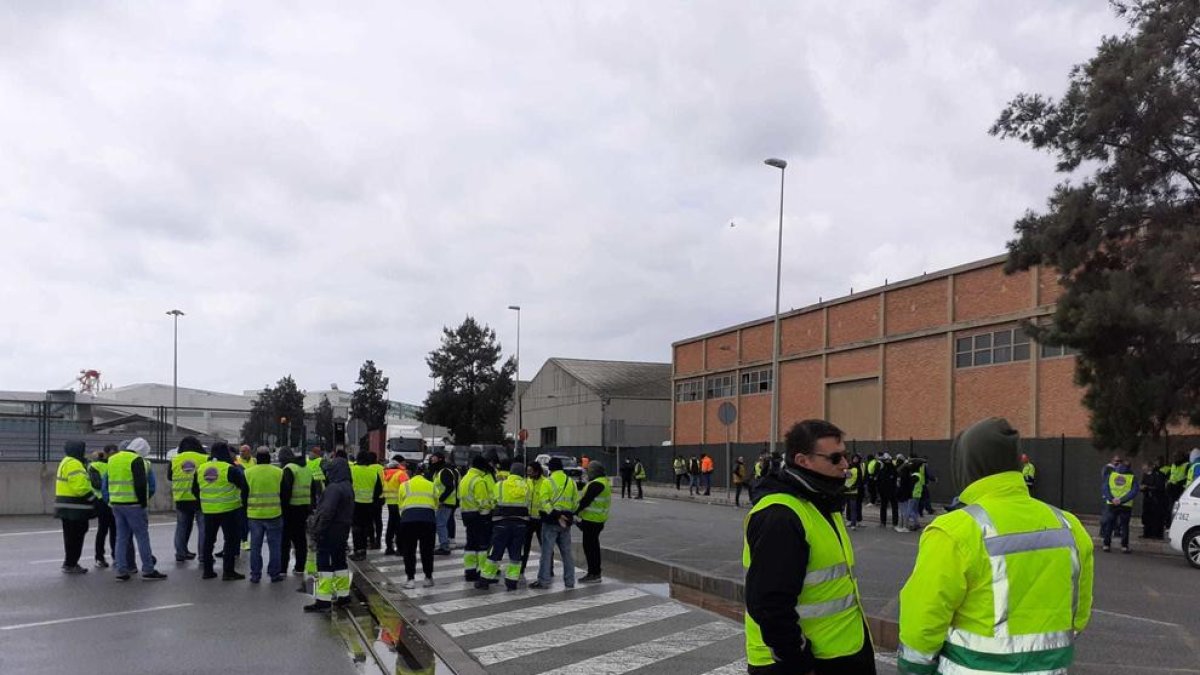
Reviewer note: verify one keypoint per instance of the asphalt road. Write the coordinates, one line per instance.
(1145, 617)
(181, 625)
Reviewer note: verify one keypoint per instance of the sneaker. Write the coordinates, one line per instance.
(255, 580)
(902, 529)
(278, 578)
(591, 579)
(101, 563)
(409, 585)
(153, 576)
(428, 583)
(318, 606)
(233, 576)
(539, 585)
(209, 575)
(568, 586)
(122, 577)
(74, 569)
(189, 555)
(358, 557)
(1124, 549)
(298, 573)
(1106, 548)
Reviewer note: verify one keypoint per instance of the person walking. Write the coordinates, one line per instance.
(477, 497)
(639, 475)
(417, 505)
(592, 511)
(803, 609)
(73, 504)
(706, 473)
(1153, 487)
(627, 479)
(957, 614)
(394, 476)
(222, 491)
(106, 527)
(513, 502)
(1120, 488)
(329, 526)
(445, 479)
(533, 530)
(298, 491)
(128, 488)
(854, 490)
(886, 481)
(560, 498)
(264, 509)
(181, 473)
(368, 488)
(680, 467)
(739, 480)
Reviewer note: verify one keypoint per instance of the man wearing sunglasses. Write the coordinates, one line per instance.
(803, 613)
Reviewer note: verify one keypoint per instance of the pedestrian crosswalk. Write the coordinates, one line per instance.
(608, 628)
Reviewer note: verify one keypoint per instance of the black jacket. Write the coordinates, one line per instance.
(779, 558)
(337, 501)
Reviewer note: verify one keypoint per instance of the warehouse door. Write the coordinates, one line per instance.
(854, 407)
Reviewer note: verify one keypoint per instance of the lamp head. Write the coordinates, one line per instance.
(777, 163)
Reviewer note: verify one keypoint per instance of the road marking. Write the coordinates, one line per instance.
(735, 668)
(1135, 618)
(444, 564)
(551, 639)
(443, 587)
(59, 531)
(516, 616)
(647, 653)
(93, 616)
(42, 562)
(483, 600)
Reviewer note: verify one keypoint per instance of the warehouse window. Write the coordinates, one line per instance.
(720, 386)
(687, 391)
(1050, 351)
(1002, 346)
(756, 382)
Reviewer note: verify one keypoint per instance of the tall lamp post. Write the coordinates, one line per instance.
(517, 388)
(175, 375)
(775, 379)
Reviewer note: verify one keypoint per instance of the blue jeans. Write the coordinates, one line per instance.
(185, 514)
(443, 524)
(693, 483)
(554, 535)
(132, 523)
(273, 529)
(1115, 520)
(707, 478)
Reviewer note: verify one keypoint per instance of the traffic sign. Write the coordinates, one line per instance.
(727, 413)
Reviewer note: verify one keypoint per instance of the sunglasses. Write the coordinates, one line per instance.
(833, 458)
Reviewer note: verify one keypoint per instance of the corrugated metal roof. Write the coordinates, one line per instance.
(621, 379)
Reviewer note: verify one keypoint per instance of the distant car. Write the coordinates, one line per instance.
(462, 455)
(1184, 534)
(570, 465)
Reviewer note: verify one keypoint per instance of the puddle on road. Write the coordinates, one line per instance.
(379, 640)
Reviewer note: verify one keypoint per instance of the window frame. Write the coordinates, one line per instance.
(992, 348)
(715, 384)
(752, 382)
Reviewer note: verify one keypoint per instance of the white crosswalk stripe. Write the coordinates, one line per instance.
(484, 600)
(735, 668)
(532, 644)
(646, 653)
(454, 584)
(502, 619)
(440, 563)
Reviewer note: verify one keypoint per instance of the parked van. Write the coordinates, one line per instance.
(1184, 534)
(406, 442)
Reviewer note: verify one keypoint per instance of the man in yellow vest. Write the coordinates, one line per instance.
(533, 529)
(73, 498)
(445, 479)
(315, 462)
(513, 502)
(298, 492)
(560, 499)
(1028, 472)
(394, 476)
(1119, 487)
(417, 506)
(221, 488)
(106, 527)
(803, 610)
(592, 512)
(264, 509)
(477, 496)
(181, 472)
(129, 488)
(1001, 585)
(367, 489)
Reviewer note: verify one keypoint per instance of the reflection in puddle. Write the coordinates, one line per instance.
(378, 640)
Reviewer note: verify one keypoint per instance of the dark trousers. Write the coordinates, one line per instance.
(479, 533)
(74, 534)
(639, 484)
(106, 528)
(626, 488)
(532, 531)
(591, 546)
(331, 548)
(872, 491)
(376, 525)
(294, 538)
(679, 479)
(411, 535)
(854, 507)
(391, 539)
(1152, 514)
(1115, 520)
(737, 494)
(186, 513)
(862, 663)
(363, 527)
(228, 523)
(925, 503)
(888, 500)
(508, 536)
(450, 529)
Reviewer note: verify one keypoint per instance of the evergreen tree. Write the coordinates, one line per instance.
(1126, 238)
(472, 394)
(325, 422)
(284, 401)
(369, 402)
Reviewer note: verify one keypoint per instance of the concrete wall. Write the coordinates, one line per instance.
(27, 488)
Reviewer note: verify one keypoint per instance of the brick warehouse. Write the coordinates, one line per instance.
(917, 359)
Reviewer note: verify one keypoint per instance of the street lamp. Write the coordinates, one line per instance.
(517, 387)
(175, 375)
(775, 378)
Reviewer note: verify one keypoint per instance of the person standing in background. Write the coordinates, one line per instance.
(639, 475)
(739, 480)
(181, 473)
(1154, 498)
(129, 490)
(73, 497)
(394, 476)
(626, 479)
(1119, 489)
(680, 467)
(329, 526)
(298, 492)
(106, 527)
(886, 482)
(221, 488)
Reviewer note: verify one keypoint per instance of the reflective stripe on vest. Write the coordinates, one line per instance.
(314, 469)
(217, 493)
(597, 511)
(264, 482)
(967, 652)
(120, 478)
(828, 607)
(183, 472)
(418, 493)
(512, 498)
(363, 478)
(71, 493)
(1178, 473)
(564, 496)
(301, 485)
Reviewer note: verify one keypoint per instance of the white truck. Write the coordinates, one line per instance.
(405, 441)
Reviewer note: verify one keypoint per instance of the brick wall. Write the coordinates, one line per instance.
(989, 292)
(687, 422)
(916, 392)
(993, 391)
(863, 361)
(689, 358)
(721, 351)
(917, 307)
(1060, 410)
(801, 395)
(802, 333)
(854, 321)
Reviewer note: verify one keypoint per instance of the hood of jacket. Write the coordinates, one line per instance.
(337, 470)
(74, 449)
(824, 492)
(140, 446)
(986, 448)
(220, 453)
(1195, 456)
(286, 456)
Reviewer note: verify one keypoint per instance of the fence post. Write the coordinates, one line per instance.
(44, 431)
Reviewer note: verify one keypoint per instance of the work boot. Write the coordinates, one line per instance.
(358, 556)
(471, 575)
(319, 606)
(154, 576)
(208, 574)
(591, 579)
(482, 584)
(101, 563)
(510, 585)
(232, 576)
(122, 577)
(390, 551)
(74, 569)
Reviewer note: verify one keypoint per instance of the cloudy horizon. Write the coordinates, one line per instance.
(316, 187)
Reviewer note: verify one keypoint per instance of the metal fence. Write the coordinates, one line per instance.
(1068, 469)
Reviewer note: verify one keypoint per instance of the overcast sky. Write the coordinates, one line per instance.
(316, 186)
